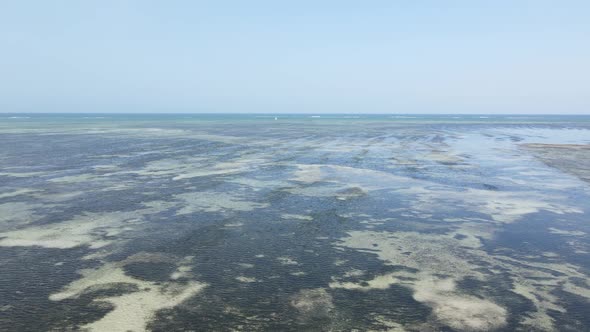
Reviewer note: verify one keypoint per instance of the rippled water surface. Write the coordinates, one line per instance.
(324, 223)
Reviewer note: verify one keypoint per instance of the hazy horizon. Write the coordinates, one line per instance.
(263, 57)
(270, 113)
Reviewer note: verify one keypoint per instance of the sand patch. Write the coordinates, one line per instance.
(287, 261)
(461, 312)
(184, 268)
(346, 182)
(222, 168)
(350, 193)
(17, 192)
(565, 232)
(391, 326)
(313, 303)
(436, 255)
(169, 167)
(132, 310)
(160, 206)
(450, 307)
(354, 273)
(379, 282)
(580, 290)
(58, 197)
(308, 174)
(349, 177)
(509, 207)
(301, 217)
(444, 158)
(95, 230)
(570, 158)
(15, 214)
(256, 184)
(193, 167)
(502, 207)
(245, 279)
(181, 272)
(23, 174)
(215, 202)
(75, 178)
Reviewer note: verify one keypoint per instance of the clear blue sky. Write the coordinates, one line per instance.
(295, 56)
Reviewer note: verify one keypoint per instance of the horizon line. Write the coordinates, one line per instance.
(295, 113)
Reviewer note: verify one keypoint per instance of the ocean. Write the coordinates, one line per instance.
(294, 222)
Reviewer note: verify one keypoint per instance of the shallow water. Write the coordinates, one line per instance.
(336, 222)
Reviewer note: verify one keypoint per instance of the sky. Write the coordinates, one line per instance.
(404, 56)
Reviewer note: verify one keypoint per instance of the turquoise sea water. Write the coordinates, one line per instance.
(405, 118)
(184, 222)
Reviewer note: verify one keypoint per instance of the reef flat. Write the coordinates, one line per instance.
(329, 223)
(570, 158)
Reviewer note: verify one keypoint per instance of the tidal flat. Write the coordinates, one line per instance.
(323, 223)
